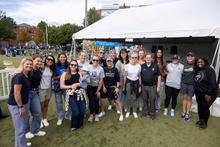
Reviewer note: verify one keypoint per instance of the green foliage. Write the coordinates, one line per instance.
(7, 27)
(42, 25)
(92, 16)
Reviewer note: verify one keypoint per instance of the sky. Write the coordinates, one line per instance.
(57, 12)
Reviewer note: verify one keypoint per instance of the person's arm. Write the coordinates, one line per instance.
(64, 86)
(17, 95)
(158, 83)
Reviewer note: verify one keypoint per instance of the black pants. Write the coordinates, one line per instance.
(203, 106)
(171, 93)
(93, 100)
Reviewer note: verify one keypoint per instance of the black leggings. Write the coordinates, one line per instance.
(93, 100)
(171, 93)
(203, 106)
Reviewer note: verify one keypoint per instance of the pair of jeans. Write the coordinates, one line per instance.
(59, 104)
(35, 110)
(93, 100)
(149, 96)
(78, 109)
(123, 100)
(171, 92)
(131, 98)
(159, 96)
(19, 124)
(203, 105)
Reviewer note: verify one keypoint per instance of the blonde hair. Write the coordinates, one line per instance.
(21, 66)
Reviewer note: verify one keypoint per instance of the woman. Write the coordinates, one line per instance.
(82, 60)
(187, 88)
(206, 89)
(141, 61)
(96, 80)
(172, 87)
(132, 84)
(61, 66)
(48, 72)
(161, 62)
(34, 100)
(120, 65)
(70, 81)
(18, 101)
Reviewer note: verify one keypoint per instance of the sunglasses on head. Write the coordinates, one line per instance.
(95, 60)
(75, 65)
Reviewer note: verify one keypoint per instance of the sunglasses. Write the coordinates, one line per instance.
(73, 65)
(49, 59)
(95, 60)
(109, 60)
(133, 57)
(101, 52)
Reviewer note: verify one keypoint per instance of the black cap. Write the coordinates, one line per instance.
(190, 54)
(176, 57)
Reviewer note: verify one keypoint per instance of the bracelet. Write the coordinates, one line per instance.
(21, 106)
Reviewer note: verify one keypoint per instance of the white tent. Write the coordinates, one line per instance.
(176, 19)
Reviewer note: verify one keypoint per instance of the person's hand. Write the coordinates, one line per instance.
(98, 94)
(21, 111)
(207, 98)
(116, 90)
(104, 89)
(74, 86)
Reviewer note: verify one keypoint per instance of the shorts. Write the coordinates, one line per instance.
(44, 94)
(110, 93)
(187, 89)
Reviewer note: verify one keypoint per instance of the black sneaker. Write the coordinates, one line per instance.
(183, 115)
(203, 125)
(198, 123)
(187, 117)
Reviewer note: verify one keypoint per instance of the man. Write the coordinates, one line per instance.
(150, 85)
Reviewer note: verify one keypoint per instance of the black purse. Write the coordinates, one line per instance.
(56, 84)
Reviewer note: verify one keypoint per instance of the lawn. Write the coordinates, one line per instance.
(141, 132)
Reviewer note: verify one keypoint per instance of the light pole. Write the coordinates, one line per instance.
(86, 21)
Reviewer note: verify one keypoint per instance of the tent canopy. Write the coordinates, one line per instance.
(182, 18)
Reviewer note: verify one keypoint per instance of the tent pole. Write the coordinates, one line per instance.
(74, 48)
(217, 66)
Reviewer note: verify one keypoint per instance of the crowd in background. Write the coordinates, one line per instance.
(132, 82)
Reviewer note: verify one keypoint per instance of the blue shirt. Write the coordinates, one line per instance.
(60, 69)
(20, 79)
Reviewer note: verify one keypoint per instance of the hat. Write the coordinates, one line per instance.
(109, 59)
(176, 57)
(190, 54)
(85, 68)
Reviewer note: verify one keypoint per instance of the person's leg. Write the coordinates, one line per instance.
(118, 104)
(36, 113)
(168, 92)
(128, 96)
(199, 97)
(185, 103)
(175, 93)
(59, 105)
(159, 96)
(82, 108)
(144, 94)
(75, 112)
(91, 100)
(152, 97)
(46, 103)
(19, 125)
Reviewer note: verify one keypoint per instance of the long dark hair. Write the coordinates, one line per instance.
(58, 61)
(52, 67)
(68, 72)
(161, 58)
(120, 58)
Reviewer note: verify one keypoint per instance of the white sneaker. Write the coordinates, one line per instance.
(28, 143)
(40, 133)
(96, 118)
(121, 118)
(127, 114)
(118, 112)
(90, 119)
(101, 114)
(140, 109)
(59, 122)
(29, 135)
(41, 124)
(165, 111)
(172, 113)
(45, 122)
(135, 115)
(109, 107)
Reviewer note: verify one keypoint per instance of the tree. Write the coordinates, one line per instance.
(92, 16)
(7, 27)
(39, 36)
(23, 36)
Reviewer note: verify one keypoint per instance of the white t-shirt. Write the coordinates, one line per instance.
(133, 71)
(174, 75)
(45, 82)
(96, 74)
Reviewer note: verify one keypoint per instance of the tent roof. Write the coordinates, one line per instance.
(182, 18)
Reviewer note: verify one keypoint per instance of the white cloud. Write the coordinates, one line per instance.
(58, 12)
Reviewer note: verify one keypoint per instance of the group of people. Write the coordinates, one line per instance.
(133, 82)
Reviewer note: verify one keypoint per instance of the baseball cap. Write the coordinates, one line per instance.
(176, 57)
(190, 54)
(109, 59)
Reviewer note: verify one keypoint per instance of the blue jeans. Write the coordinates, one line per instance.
(78, 109)
(19, 124)
(123, 100)
(159, 96)
(35, 109)
(59, 104)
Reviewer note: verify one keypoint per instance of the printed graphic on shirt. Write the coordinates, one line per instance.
(109, 74)
(199, 77)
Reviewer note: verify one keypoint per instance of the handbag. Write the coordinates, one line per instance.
(56, 84)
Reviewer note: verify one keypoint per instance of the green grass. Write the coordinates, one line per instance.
(141, 132)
